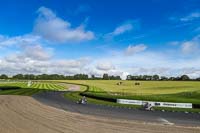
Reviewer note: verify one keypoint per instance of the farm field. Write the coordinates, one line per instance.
(171, 91)
(35, 87)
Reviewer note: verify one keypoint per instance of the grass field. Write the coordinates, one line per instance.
(168, 91)
(171, 91)
(34, 88)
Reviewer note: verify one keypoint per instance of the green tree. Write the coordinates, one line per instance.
(18, 76)
(184, 77)
(105, 76)
(156, 77)
(163, 78)
(3, 76)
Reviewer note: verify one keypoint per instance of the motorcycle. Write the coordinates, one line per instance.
(82, 101)
(147, 107)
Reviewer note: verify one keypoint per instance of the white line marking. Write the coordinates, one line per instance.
(165, 122)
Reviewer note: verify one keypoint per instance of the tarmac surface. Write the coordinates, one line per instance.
(56, 99)
(24, 114)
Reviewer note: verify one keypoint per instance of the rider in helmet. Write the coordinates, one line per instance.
(83, 100)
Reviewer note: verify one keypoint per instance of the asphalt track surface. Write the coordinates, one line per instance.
(56, 99)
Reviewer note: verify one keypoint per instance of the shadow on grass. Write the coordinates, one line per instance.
(15, 90)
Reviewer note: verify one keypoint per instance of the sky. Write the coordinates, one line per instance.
(94, 37)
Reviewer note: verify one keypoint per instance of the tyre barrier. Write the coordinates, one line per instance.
(196, 106)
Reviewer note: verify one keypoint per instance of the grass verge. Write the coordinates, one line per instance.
(95, 99)
(21, 91)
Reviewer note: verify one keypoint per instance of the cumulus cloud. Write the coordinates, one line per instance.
(72, 63)
(105, 66)
(133, 49)
(33, 55)
(189, 47)
(38, 52)
(142, 63)
(6, 41)
(99, 72)
(192, 72)
(53, 28)
(151, 70)
(30, 52)
(18, 63)
(192, 46)
(165, 63)
(36, 59)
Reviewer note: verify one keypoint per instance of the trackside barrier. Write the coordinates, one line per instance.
(196, 106)
(158, 104)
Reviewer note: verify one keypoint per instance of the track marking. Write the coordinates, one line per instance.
(165, 121)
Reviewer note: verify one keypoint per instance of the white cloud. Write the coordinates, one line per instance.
(190, 17)
(72, 63)
(6, 41)
(30, 52)
(28, 46)
(145, 62)
(38, 52)
(19, 63)
(105, 66)
(133, 49)
(33, 56)
(165, 63)
(191, 47)
(122, 29)
(53, 28)
(192, 72)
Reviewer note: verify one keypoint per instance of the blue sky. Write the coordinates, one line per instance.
(95, 37)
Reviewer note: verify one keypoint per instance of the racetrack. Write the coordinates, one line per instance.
(56, 99)
(23, 114)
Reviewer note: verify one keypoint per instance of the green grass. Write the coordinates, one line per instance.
(146, 87)
(25, 91)
(171, 91)
(75, 96)
(164, 91)
(36, 87)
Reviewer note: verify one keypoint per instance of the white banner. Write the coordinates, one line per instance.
(158, 104)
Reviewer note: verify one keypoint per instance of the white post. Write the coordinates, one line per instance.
(29, 83)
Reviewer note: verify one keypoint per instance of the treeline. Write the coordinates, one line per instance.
(162, 78)
(59, 77)
(93, 77)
